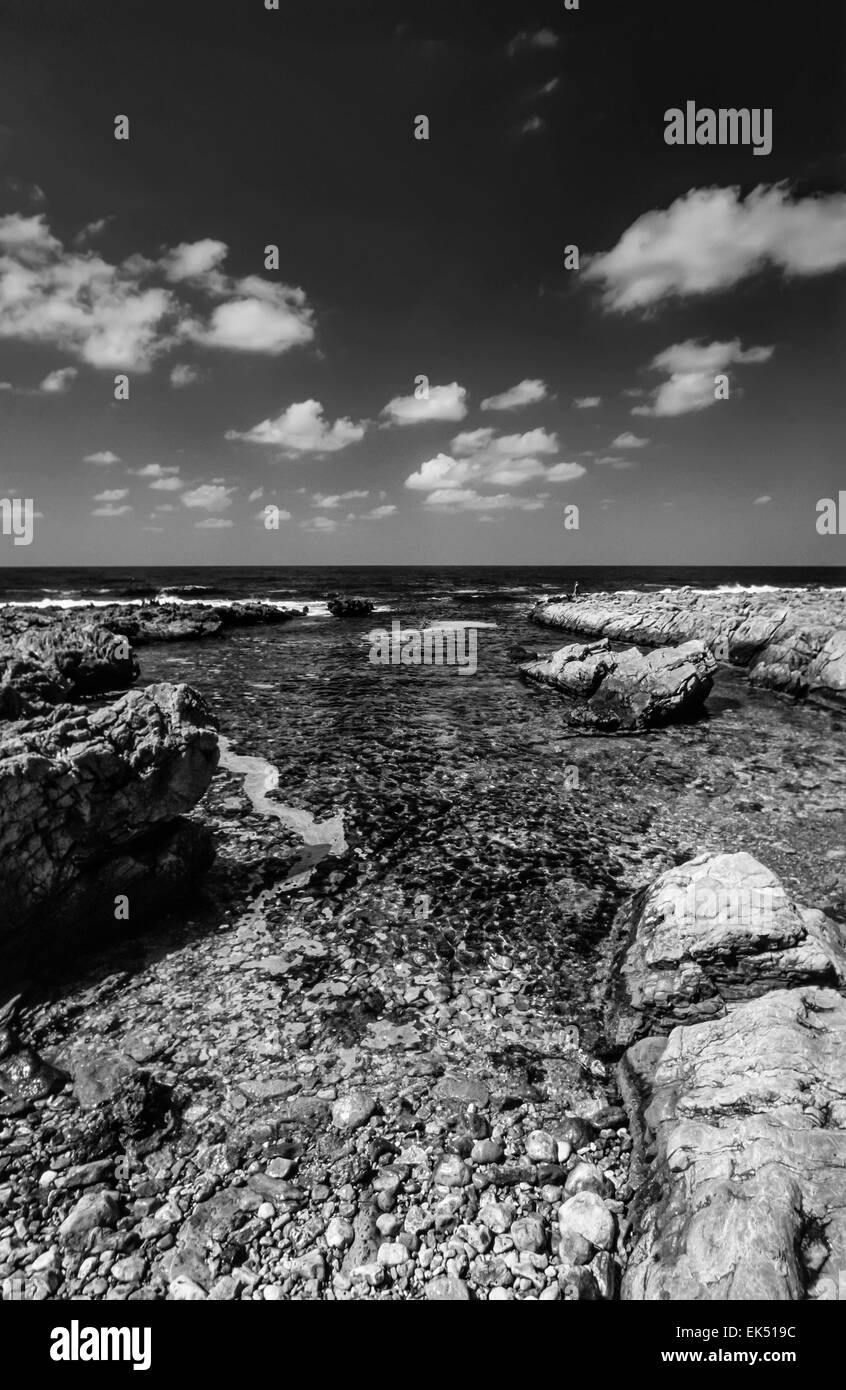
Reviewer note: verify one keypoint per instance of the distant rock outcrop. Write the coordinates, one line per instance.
(343, 606)
(790, 640)
(622, 691)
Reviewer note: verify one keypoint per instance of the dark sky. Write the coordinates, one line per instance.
(401, 257)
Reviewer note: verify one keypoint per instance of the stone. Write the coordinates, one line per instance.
(184, 1290)
(614, 691)
(708, 932)
(452, 1171)
(339, 1233)
(24, 1076)
(466, 1089)
(392, 1253)
(446, 1289)
(497, 1216)
(487, 1151)
(529, 1233)
(346, 606)
(541, 1147)
(747, 1124)
(94, 1209)
(586, 1177)
(353, 1110)
(586, 1215)
(574, 1131)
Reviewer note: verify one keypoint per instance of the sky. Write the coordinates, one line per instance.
(427, 373)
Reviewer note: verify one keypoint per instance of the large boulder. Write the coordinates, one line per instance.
(80, 788)
(622, 691)
(742, 1149)
(709, 932)
(344, 606)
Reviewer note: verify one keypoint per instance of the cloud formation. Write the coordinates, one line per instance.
(691, 368)
(711, 238)
(301, 429)
(440, 403)
(524, 393)
(483, 457)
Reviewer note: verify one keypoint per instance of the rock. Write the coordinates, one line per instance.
(342, 606)
(793, 641)
(624, 691)
(541, 1147)
(353, 1110)
(93, 1209)
(184, 1290)
(609, 1117)
(446, 1289)
(497, 1216)
(339, 1233)
(575, 1131)
(586, 1177)
(63, 662)
(452, 1172)
(466, 1089)
(487, 1151)
(586, 1215)
(24, 1076)
(744, 1194)
(78, 789)
(529, 1233)
(392, 1253)
(713, 930)
(211, 1223)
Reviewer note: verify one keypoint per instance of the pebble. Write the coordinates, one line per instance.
(541, 1147)
(586, 1215)
(392, 1253)
(339, 1233)
(448, 1288)
(452, 1172)
(353, 1110)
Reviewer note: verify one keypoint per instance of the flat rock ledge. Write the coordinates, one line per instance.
(738, 1117)
(84, 792)
(626, 691)
(790, 641)
(143, 623)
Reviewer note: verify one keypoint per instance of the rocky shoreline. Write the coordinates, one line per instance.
(288, 1104)
(793, 641)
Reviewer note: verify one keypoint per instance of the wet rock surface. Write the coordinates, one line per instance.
(624, 690)
(789, 640)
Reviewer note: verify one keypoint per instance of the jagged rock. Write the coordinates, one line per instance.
(65, 661)
(78, 787)
(26, 1076)
(793, 641)
(744, 1197)
(213, 1223)
(709, 932)
(626, 690)
(341, 606)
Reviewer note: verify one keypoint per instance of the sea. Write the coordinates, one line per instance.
(470, 793)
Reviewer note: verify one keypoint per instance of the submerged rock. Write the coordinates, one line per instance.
(342, 606)
(709, 932)
(626, 690)
(744, 1195)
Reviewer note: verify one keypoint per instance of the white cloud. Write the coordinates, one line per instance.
(533, 125)
(587, 402)
(468, 500)
(109, 509)
(377, 513)
(442, 403)
(112, 317)
(105, 457)
(712, 238)
(115, 494)
(212, 523)
(58, 382)
(182, 375)
(302, 429)
(691, 368)
(616, 461)
(335, 499)
(256, 493)
(193, 260)
(483, 457)
(319, 523)
(627, 440)
(280, 513)
(212, 497)
(762, 501)
(524, 393)
(160, 479)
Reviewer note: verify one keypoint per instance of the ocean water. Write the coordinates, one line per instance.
(471, 792)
